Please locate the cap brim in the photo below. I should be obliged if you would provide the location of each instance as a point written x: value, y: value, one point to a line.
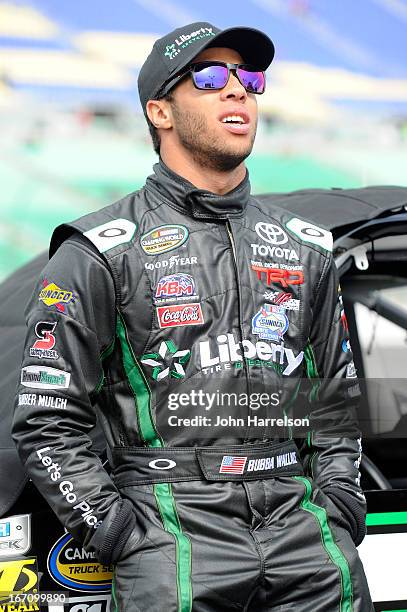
x: 254, y: 46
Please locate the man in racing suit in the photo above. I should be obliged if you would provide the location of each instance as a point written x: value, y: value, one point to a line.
x: 184, y: 287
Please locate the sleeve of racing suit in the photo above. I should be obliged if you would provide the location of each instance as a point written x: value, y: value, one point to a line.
x: 70, y: 326
x: 333, y: 449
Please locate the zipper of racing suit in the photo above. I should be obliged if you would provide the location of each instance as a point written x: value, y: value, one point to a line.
x: 239, y: 305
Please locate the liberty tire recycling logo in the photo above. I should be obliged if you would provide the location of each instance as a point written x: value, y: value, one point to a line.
x: 169, y: 361
x: 273, y: 234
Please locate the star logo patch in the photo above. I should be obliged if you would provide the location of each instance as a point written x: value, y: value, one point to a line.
x: 168, y: 361
x: 170, y: 51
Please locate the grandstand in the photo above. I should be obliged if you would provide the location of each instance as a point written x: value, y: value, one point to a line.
x: 73, y: 138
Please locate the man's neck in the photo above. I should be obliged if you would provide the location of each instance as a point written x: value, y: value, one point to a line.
x: 204, y: 178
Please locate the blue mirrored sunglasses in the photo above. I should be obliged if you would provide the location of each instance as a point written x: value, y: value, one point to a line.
x: 212, y: 75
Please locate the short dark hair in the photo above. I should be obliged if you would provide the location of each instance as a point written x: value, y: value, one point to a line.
x: 155, y: 137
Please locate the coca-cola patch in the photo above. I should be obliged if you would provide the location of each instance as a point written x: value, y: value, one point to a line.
x: 179, y: 315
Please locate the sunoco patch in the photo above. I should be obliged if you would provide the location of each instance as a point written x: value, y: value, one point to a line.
x: 53, y: 295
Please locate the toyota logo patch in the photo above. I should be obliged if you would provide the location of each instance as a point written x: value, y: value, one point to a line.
x: 273, y: 234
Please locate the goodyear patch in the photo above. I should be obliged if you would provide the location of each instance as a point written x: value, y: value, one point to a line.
x: 52, y: 295
x: 164, y: 238
x: 72, y: 566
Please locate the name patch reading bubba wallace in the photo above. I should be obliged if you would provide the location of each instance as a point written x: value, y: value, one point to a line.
x: 236, y: 465
x: 179, y: 315
x: 270, y: 463
x: 164, y: 238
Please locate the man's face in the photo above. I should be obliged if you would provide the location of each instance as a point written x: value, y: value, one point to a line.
x: 199, y: 117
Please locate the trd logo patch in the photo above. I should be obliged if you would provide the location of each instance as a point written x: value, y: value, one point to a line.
x: 283, y: 277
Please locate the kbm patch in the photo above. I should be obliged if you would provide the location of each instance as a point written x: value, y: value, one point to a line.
x: 175, y: 286
x: 72, y: 566
x: 164, y: 238
x: 19, y: 576
x: 52, y: 295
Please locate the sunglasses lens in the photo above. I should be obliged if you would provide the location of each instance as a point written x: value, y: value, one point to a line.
x: 253, y: 81
x: 210, y: 77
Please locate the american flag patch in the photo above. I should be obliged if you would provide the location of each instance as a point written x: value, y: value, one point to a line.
x: 232, y: 465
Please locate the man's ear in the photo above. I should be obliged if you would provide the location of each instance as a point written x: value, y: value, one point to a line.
x: 159, y: 113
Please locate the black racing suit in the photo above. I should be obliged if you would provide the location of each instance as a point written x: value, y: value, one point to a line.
x: 170, y: 292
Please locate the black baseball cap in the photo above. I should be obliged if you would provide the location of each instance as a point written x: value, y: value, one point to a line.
x: 174, y: 51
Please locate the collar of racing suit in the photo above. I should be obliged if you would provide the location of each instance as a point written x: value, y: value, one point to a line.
x: 200, y: 204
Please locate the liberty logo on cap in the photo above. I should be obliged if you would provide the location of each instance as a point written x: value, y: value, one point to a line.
x: 186, y: 39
